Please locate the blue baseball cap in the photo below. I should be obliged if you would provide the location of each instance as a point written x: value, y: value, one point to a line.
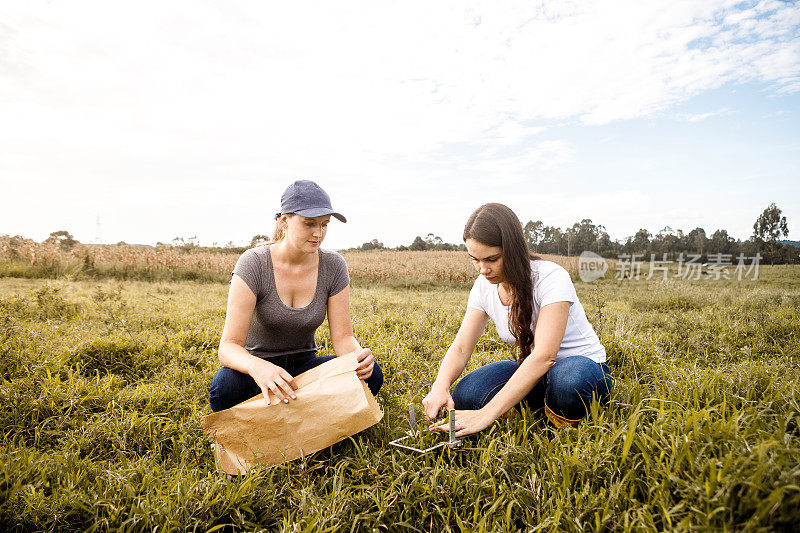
x: 307, y: 199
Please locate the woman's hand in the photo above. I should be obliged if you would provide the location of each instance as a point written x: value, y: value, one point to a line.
x: 467, y: 422
x: 366, y: 362
x: 271, y: 377
x: 437, y: 398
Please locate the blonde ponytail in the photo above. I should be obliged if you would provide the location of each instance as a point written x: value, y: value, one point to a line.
x: 278, y: 235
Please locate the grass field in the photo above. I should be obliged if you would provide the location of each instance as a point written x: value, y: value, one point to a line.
x: 25, y: 258
x: 103, y: 382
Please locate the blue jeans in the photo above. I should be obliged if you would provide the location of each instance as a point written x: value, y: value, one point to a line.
x: 566, y: 389
x: 231, y: 387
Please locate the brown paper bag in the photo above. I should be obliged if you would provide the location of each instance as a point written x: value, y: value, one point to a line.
x: 332, y: 404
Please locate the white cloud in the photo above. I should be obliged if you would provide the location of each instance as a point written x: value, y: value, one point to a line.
x: 249, y: 95
x: 385, y: 76
x: 697, y: 117
x: 542, y: 156
x: 511, y: 133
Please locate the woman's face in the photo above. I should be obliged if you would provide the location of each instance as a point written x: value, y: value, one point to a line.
x: 306, y: 234
x: 488, y: 260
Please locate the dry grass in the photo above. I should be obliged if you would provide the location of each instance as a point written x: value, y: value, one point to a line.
x: 121, y: 261
x: 30, y: 259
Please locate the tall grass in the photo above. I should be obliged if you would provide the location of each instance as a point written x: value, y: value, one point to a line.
x: 29, y: 259
x: 103, y: 383
x: 26, y: 258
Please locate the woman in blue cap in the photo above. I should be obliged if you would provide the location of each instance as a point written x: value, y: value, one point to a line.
x: 280, y: 294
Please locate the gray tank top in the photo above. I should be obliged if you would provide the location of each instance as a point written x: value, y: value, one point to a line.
x: 277, y: 329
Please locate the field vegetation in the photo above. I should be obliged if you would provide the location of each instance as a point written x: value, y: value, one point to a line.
x: 51, y: 259
x: 104, y: 378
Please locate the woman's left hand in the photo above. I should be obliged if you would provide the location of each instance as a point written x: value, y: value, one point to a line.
x: 467, y: 423
x: 366, y: 362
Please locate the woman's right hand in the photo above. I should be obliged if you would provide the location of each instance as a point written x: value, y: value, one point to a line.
x: 271, y: 377
x: 437, y: 398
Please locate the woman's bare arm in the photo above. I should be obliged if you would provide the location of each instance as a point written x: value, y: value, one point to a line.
x: 454, y: 361
x: 342, y: 337
x: 232, y: 354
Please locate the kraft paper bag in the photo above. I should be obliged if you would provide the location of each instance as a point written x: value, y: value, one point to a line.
x: 332, y: 404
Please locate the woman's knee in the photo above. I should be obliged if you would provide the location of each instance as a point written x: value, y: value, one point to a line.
x: 573, y: 383
x: 230, y: 387
x: 478, y: 387
x: 375, y: 381
x: 463, y: 396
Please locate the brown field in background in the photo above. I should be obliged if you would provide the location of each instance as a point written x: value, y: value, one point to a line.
x: 28, y: 258
x: 435, y: 266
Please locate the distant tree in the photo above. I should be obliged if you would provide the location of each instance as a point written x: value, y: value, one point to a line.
x: 696, y: 241
x: 534, y: 233
x: 569, y: 235
x: 790, y: 254
x: 584, y: 235
x: 769, y: 227
x: 666, y: 241
x: 552, y: 240
x: 609, y: 247
x: 258, y: 239
x: 603, y: 244
x: 187, y: 244
x: 63, y: 238
x: 374, y: 244
x: 641, y: 241
x: 721, y: 243
x: 418, y: 245
x: 432, y: 241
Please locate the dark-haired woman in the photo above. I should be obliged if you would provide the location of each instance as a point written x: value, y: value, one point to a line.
x: 561, y: 363
x: 280, y: 294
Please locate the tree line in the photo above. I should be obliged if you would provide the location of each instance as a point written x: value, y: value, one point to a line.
x: 768, y: 229
x: 431, y: 242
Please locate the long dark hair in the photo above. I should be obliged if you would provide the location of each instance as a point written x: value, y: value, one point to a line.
x: 497, y: 225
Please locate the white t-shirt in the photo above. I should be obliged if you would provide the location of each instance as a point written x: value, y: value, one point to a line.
x: 551, y: 283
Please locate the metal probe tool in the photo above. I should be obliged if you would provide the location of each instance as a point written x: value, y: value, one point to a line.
x: 452, y: 443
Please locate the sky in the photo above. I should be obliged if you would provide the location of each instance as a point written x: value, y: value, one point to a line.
x: 181, y: 119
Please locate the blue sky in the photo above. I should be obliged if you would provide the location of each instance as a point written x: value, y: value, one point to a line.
x: 191, y: 118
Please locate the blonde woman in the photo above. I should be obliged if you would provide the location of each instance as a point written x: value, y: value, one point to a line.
x: 279, y: 295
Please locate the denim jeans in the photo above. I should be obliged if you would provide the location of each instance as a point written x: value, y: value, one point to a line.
x: 566, y: 389
x: 230, y: 387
